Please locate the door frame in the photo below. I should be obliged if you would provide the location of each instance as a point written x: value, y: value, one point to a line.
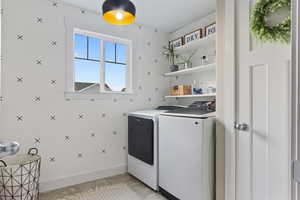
x: 295, y: 123
x: 229, y: 98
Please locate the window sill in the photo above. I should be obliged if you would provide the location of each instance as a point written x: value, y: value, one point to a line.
x: 100, y: 95
x: 117, y: 93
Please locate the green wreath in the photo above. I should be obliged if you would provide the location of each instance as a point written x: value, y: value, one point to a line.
x: 280, y: 32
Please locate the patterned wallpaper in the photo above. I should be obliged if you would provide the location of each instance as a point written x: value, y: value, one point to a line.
x: 73, y: 136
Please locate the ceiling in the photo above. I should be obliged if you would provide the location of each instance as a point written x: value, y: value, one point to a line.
x: 168, y: 15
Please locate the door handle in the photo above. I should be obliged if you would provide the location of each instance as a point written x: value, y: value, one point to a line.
x: 240, y: 127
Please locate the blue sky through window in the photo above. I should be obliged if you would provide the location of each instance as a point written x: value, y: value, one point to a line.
x: 80, y: 46
x: 121, y: 53
x: 113, y: 72
x: 87, y: 69
x: 94, y: 48
x: 109, y: 51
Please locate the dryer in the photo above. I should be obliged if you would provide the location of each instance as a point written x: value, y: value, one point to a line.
x: 143, y: 145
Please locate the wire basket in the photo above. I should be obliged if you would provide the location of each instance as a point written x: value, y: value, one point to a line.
x: 19, y: 176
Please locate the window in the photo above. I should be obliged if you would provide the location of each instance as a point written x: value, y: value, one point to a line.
x: 115, y: 66
x: 101, y: 63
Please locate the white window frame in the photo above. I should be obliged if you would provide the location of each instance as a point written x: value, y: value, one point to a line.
x: 103, y: 38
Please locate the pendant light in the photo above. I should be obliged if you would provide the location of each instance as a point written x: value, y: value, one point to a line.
x: 118, y: 12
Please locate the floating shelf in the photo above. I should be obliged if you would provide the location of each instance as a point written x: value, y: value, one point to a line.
x: 191, y: 46
x: 192, y: 96
x: 192, y: 70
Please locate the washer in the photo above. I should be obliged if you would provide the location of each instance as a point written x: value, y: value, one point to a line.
x: 186, y: 154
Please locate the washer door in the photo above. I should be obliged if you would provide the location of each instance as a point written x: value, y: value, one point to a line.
x: 141, y: 138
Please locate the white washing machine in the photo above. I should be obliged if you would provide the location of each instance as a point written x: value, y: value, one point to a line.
x: 187, y: 155
x: 143, y: 145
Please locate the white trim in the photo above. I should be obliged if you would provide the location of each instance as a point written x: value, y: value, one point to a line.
x: 106, y: 38
x: 99, y: 96
x: 220, y: 130
x: 295, y: 93
x: 69, y: 24
x: 116, y: 92
x: 192, y: 95
x: 81, y: 178
x: 230, y: 99
x: 102, y: 68
x: 129, y: 77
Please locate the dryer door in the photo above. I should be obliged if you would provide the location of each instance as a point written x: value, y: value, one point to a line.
x: 140, y: 138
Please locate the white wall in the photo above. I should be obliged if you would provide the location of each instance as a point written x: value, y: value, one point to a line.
x: 101, y: 135
x: 209, y: 19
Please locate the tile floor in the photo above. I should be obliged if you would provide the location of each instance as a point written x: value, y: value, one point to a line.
x: 122, y: 187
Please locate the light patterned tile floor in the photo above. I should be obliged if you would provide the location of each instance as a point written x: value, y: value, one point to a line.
x: 122, y: 187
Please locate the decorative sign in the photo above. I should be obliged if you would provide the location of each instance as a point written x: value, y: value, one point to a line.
x: 193, y: 36
x: 176, y: 43
x: 196, y: 35
x: 210, y: 29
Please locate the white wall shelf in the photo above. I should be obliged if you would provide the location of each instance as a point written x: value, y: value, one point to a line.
x: 192, y: 96
x: 203, y: 42
x: 192, y: 70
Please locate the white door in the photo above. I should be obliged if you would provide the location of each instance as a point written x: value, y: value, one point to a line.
x: 263, y: 103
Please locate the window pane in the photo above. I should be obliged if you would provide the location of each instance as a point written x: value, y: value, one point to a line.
x: 121, y: 53
x: 110, y: 51
x: 87, y: 71
x: 94, y: 48
x: 115, y: 77
x: 80, y: 50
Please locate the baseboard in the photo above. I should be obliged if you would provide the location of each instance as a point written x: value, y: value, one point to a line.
x: 81, y: 178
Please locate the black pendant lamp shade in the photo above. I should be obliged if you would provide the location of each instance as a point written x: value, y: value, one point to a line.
x: 118, y: 12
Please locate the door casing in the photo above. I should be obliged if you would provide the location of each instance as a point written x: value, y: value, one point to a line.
x: 229, y: 98
x: 295, y: 124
